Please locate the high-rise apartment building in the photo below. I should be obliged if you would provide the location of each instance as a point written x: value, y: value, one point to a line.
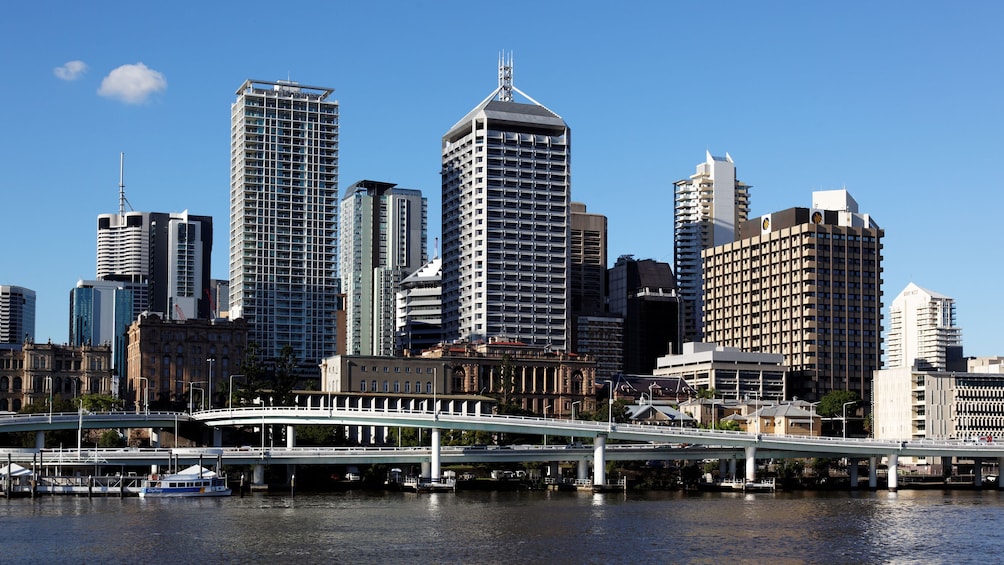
x: 165, y: 256
x: 644, y: 294
x: 420, y: 309
x: 17, y: 314
x: 382, y: 240
x: 708, y: 209
x: 922, y: 332
x: 284, y: 218
x: 806, y: 283
x: 506, y: 194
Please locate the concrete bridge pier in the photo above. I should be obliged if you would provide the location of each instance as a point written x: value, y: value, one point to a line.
x: 751, y: 463
x: 723, y: 468
x: 290, y: 437
x: 582, y: 472
x: 435, y: 470
x: 600, y: 460
x: 552, y: 469
x: 852, y: 470
x: 893, y: 476
x: 732, y: 467
x: 258, y: 475
x: 977, y: 472
x: 873, y: 473
x: 40, y: 440
x: 217, y: 437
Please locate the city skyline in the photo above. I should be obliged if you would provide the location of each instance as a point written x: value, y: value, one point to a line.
x: 803, y: 97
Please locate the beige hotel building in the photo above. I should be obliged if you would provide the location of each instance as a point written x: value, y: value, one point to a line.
x: 806, y: 283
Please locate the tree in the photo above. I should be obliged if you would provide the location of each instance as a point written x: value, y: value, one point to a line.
x: 254, y: 381
x: 505, y: 382
x: 832, y: 405
x: 284, y: 377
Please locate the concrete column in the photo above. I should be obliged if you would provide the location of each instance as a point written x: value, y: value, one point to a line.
x: 600, y: 460
x: 750, y: 463
x: 258, y: 474
x: 893, y: 464
x: 217, y: 437
x: 426, y: 469
x: 435, y: 454
x: 732, y: 468
x: 977, y: 472
x: 39, y: 440
x: 553, y: 469
x: 873, y: 473
x: 582, y: 472
x: 723, y: 468
x: 852, y: 469
x: 290, y: 437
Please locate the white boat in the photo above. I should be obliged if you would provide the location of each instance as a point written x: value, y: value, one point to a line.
x: 191, y: 482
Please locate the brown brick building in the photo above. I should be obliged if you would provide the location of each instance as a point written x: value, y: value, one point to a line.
x: 29, y: 372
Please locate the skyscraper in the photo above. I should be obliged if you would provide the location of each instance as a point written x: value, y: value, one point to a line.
x: 383, y: 234
x: 164, y: 257
x: 644, y: 294
x: 708, y: 209
x: 100, y: 314
x: 806, y: 283
x: 284, y: 217
x: 506, y: 195
x: 17, y: 314
x: 420, y: 309
x: 922, y: 331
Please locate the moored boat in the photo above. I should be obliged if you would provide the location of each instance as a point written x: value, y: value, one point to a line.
x: 194, y: 481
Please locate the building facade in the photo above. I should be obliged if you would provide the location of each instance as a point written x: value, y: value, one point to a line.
x: 731, y: 373
x: 17, y: 314
x: 284, y: 218
x: 708, y: 209
x: 588, y: 273
x: 173, y: 363
x: 38, y: 372
x: 506, y: 197
x: 383, y: 234
x: 165, y: 257
x: 602, y: 338
x: 644, y: 294
x: 922, y: 332
x: 420, y: 309
x: 806, y: 283
x: 100, y: 314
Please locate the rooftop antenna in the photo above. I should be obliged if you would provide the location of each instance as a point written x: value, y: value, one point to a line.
x: 122, y: 197
x: 505, y: 78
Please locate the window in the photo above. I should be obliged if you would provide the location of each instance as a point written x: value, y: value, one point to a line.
x: 428, y: 387
x: 386, y: 386
x: 362, y: 385
x: 374, y: 385
x: 407, y: 386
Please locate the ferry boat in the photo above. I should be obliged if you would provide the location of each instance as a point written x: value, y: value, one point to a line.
x: 191, y: 482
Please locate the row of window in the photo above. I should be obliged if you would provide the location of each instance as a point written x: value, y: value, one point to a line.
x: 374, y: 386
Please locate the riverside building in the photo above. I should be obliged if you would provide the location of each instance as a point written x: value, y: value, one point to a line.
x: 806, y: 283
x: 284, y: 218
x: 708, y: 209
x: 383, y: 240
x: 506, y: 198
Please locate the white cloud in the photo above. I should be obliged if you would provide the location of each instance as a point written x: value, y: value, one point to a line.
x: 72, y: 70
x: 132, y: 83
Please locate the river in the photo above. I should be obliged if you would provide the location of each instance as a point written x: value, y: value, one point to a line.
x: 911, y: 526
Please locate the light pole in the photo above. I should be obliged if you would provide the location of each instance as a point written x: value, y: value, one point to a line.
x: 435, y: 405
x: 546, y: 406
x: 650, y: 386
x: 210, y: 360
x: 47, y: 382
x: 844, y: 419
x: 812, y: 415
x: 146, y: 396
x: 610, y: 405
x: 230, y: 400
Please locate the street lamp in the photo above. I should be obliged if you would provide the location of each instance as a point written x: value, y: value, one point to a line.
x: 210, y: 360
x: 49, y: 381
x: 610, y: 405
x: 230, y: 391
x: 146, y: 397
x: 812, y: 415
x: 844, y: 419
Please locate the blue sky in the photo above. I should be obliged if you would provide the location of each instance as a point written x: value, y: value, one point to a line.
x: 899, y: 102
